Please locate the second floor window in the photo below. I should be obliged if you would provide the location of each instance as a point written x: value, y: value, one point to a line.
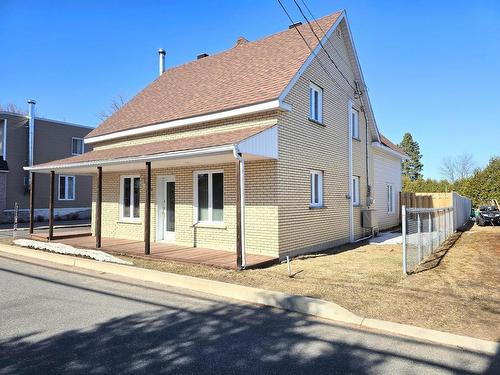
x: 77, y: 146
x: 355, y: 123
x: 66, y: 188
x: 315, y: 103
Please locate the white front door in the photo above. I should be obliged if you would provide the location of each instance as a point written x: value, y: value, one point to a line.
x: 166, y: 208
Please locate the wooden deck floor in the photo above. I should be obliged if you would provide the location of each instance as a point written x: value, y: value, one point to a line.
x: 166, y: 252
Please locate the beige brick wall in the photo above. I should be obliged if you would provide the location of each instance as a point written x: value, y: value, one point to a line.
x: 261, y: 209
x: 305, y: 146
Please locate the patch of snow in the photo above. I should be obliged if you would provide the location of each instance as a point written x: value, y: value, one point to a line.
x: 387, y: 238
x: 61, y: 248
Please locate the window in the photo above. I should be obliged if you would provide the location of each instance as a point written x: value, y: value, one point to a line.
x: 355, y: 190
x: 390, y: 199
x: 316, y: 189
x: 315, y: 103
x: 66, y: 188
x: 130, y: 196
x: 355, y: 123
x: 209, y: 197
x: 3, y: 140
x: 76, y: 146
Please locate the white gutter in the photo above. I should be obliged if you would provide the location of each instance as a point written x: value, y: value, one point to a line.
x: 136, y: 159
x: 351, y: 210
x: 251, y: 109
x: 388, y: 150
x: 240, y: 159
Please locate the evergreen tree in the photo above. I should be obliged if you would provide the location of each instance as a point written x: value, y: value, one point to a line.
x: 412, y: 168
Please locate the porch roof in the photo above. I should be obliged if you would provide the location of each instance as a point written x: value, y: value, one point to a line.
x: 257, y: 142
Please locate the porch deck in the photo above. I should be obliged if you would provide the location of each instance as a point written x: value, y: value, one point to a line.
x: 161, y: 251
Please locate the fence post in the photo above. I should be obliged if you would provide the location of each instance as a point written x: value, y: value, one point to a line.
x: 431, y: 241
x: 403, y: 229
x: 419, y: 238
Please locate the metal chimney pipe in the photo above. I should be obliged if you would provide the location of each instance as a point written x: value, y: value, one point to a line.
x: 162, y: 53
x: 31, y: 131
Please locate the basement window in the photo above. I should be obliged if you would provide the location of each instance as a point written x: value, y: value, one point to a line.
x: 66, y: 188
x: 315, y: 103
x: 316, y: 189
x: 209, y: 197
x: 130, y: 192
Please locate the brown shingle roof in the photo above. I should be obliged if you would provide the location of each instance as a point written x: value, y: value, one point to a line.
x: 249, y: 73
x: 386, y: 142
x: 161, y: 147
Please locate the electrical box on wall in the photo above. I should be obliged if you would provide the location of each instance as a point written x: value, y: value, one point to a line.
x: 369, y: 218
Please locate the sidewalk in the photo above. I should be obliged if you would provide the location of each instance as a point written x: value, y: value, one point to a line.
x: 305, y: 305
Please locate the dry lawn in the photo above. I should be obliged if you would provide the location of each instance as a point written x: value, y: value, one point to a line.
x: 456, y: 291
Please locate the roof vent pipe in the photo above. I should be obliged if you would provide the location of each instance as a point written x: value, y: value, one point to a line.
x: 161, y: 53
x: 31, y: 131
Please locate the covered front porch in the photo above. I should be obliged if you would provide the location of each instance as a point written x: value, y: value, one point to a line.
x: 159, y: 200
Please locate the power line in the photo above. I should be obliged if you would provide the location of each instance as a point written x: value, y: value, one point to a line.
x: 312, y: 52
x: 322, y: 46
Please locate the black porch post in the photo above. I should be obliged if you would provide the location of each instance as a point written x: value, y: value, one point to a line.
x: 51, y: 205
x: 32, y: 202
x: 147, y: 211
x: 98, y: 209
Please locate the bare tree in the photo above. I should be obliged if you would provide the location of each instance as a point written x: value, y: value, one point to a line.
x: 458, y: 167
x: 116, y: 103
x: 11, y: 107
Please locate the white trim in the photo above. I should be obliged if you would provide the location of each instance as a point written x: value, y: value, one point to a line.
x: 308, y: 61
x: 131, y: 218
x: 351, y: 210
x: 166, y: 155
x: 83, y: 145
x: 255, y: 108
x: 210, y: 220
x: 390, y: 151
x: 4, y: 145
x: 66, y: 185
x: 313, y: 197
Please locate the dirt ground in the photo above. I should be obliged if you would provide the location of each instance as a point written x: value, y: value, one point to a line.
x: 456, y: 291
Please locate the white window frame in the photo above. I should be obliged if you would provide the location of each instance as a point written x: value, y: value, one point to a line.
x: 317, y: 117
x: 4, y: 141
x: 210, y: 197
x: 355, y: 123
x: 355, y: 190
x: 130, y: 218
x: 66, y: 184
x: 83, y: 145
x: 312, y: 196
x: 391, y: 209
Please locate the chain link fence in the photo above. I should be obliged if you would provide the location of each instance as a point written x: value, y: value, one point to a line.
x: 424, y: 231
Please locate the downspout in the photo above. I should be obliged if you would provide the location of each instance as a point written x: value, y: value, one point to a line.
x: 349, y: 195
x: 241, y: 160
x: 31, y: 131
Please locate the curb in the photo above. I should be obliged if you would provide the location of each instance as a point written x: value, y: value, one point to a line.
x: 300, y: 304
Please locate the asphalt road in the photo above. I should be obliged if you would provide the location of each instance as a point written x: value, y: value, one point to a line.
x: 53, y: 320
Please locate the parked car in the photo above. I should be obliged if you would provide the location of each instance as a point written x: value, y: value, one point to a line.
x: 488, y: 215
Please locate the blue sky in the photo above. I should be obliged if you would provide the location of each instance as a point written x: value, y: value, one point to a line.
x: 432, y: 67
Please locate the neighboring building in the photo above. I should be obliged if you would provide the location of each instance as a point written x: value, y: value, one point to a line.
x: 51, y: 140
x: 387, y: 159
x: 300, y: 130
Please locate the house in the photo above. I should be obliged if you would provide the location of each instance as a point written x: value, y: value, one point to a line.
x: 387, y: 170
x: 265, y: 148
x: 26, y: 140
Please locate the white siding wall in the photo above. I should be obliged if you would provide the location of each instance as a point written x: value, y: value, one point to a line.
x: 387, y: 170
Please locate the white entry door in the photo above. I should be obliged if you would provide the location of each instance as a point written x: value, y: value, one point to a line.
x: 166, y: 209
